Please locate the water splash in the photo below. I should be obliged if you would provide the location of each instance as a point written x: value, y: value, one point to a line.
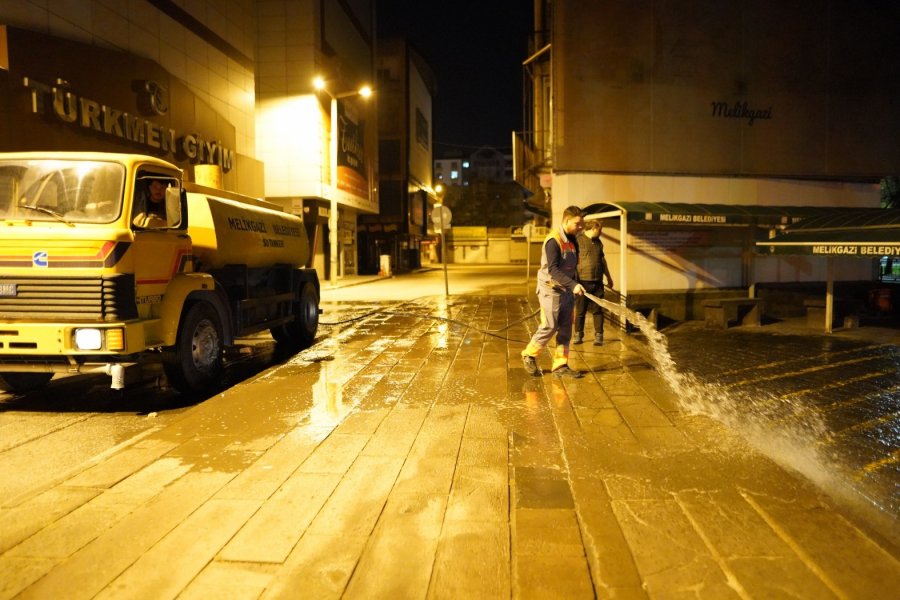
x: 785, y: 430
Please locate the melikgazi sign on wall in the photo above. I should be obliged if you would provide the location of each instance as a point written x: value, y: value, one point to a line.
x: 59, y: 101
x: 740, y: 110
x: 855, y: 250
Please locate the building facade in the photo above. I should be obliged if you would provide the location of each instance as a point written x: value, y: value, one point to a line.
x: 696, y: 103
x: 406, y: 88
x: 319, y: 146
x: 485, y: 164
x: 227, y: 85
x: 132, y: 78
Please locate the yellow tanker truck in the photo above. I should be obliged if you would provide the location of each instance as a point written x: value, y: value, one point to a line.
x: 107, y: 260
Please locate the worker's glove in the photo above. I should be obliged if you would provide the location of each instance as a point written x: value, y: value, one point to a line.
x: 578, y: 290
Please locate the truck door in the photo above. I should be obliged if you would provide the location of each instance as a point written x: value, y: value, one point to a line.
x: 161, y: 245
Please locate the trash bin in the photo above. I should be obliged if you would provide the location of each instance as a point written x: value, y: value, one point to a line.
x: 385, y: 265
x: 880, y: 300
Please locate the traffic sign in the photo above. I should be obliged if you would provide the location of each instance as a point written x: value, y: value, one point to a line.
x: 441, y: 216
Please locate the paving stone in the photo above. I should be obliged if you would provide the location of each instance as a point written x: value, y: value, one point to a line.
x: 552, y: 577
x: 610, y: 556
x: 17, y: 573
x: 64, y: 536
x: 105, y: 558
x: 542, y: 488
x: 319, y: 567
x: 484, y: 422
x: 396, y: 433
x: 335, y: 454
x: 479, y: 493
x: 354, y: 507
x: 547, y: 532
x: 274, y: 529
x: 398, y: 559
x: 747, y: 549
x: 236, y: 581
x: 195, y: 541
x: 847, y: 560
x: 671, y: 557
x: 472, y: 560
x: 118, y: 467
x: 271, y: 469
x: 23, y: 521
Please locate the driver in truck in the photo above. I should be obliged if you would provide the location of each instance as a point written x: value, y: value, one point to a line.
x: 151, y: 204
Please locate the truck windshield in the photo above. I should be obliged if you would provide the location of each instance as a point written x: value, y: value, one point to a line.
x: 71, y: 191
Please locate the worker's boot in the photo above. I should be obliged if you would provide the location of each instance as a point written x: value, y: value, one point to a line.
x: 566, y: 371
x: 531, y: 366
x: 578, y: 338
x: 598, y: 339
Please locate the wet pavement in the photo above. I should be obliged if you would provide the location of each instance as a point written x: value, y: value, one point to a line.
x: 407, y: 454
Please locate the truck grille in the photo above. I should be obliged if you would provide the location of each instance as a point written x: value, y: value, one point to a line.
x: 68, y: 298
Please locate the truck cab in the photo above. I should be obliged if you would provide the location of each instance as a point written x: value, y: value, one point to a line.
x: 108, y: 260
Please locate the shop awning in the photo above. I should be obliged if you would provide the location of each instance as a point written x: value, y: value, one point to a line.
x: 861, y: 232
x: 682, y: 213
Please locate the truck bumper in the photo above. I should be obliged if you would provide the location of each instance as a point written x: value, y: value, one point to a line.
x: 57, y: 347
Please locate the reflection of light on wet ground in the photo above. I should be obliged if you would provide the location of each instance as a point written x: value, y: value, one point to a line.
x: 328, y: 408
x: 443, y: 336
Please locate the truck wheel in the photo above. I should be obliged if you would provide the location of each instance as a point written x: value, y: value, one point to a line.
x: 196, y: 363
x: 301, y: 332
x: 23, y: 382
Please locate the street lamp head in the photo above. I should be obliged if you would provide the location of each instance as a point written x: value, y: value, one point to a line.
x: 321, y: 85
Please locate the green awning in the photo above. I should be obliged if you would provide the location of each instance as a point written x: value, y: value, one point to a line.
x: 683, y: 213
x: 861, y: 232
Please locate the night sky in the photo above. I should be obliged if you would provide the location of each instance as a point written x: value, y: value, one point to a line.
x: 476, y: 49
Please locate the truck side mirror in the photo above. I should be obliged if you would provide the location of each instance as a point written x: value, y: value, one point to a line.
x: 175, y: 208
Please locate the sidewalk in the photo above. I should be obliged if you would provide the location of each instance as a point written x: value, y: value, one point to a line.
x: 408, y: 457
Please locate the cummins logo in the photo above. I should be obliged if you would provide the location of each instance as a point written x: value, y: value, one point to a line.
x: 40, y: 258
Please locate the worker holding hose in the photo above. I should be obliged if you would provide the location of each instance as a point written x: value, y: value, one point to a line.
x: 557, y: 286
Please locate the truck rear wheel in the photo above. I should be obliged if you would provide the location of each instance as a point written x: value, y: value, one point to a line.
x: 24, y: 382
x: 301, y: 332
x: 196, y: 363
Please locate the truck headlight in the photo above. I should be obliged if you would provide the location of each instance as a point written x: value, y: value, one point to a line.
x: 88, y: 339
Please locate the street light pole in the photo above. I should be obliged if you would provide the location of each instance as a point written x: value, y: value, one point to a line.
x: 333, y: 210
x: 333, y: 258
x: 441, y: 211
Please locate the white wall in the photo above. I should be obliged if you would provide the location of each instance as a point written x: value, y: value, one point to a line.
x: 719, y: 266
x: 291, y: 133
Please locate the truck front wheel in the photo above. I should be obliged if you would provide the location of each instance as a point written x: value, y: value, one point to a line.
x: 196, y: 363
x: 301, y: 332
